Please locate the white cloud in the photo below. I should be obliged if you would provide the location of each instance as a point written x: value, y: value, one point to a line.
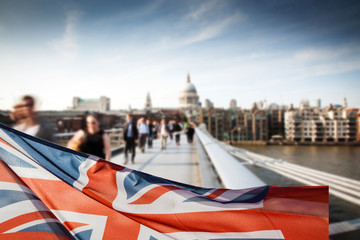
x: 205, y: 22
x: 67, y: 46
x: 321, y: 54
x: 211, y: 30
x: 199, y: 32
x: 325, y: 61
x: 198, y: 13
x: 335, y: 67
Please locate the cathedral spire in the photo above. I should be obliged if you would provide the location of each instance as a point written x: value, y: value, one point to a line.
x: 345, y: 103
x: 188, y: 78
x: 148, y: 104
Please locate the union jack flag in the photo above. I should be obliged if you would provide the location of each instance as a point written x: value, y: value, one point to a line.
x: 51, y: 192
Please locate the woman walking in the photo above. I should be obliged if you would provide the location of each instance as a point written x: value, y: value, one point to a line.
x: 92, y: 140
x: 163, y: 132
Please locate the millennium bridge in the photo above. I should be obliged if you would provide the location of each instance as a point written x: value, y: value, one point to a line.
x: 208, y: 162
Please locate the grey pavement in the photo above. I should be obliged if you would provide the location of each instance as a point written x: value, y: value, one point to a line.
x: 178, y: 163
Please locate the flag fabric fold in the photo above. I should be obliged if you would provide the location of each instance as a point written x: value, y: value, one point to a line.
x: 66, y: 194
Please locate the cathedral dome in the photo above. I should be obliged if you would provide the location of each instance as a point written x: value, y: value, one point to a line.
x: 188, y: 97
x: 189, y: 87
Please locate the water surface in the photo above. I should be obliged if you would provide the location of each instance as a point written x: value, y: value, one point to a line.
x: 340, y: 160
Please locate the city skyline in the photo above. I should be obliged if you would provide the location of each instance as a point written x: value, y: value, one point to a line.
x: 279, y: 51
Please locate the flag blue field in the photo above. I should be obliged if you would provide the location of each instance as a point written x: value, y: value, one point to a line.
x: 48, y: 191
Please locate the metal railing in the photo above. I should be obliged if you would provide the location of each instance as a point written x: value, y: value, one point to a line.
x: 115, y: 135
x: 342, y: 187
x: 232, y: 173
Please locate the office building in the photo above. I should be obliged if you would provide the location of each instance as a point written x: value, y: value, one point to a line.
x: 321, y: 125
x: 101, y: 104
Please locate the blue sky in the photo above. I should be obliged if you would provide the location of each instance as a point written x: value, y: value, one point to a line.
x: 278, y: 51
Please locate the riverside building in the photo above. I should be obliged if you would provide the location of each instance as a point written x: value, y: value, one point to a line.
x: 276, y: 122
x: 321, y: 125
x: 236, y: 125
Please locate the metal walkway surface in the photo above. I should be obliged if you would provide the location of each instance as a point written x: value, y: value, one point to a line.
x: 178, y: 163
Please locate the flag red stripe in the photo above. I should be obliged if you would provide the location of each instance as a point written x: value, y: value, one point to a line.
x: 308, y: 193
x: 25, y: 218
x: 102, y: 182
x: 8, y: 175
x: 301, y: 200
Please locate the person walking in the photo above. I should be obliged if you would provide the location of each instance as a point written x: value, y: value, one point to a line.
x: 130, y: 137
x: 177, y: 131
x: 92, y: 140
x: 163, y: 132
x: 143, y: 134
x: 171, y: 129
x: 28, y: 121
x: 151, y: 133
x: 156, y: 128
x: 190, y: 131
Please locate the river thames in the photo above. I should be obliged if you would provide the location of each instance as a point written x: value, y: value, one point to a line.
x: 340, y: 160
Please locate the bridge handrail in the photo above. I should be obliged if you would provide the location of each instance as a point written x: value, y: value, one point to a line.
x: 231, y: 172
x: 69, y: 134
x: 115, y: 134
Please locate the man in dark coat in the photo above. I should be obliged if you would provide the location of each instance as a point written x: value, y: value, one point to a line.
x: 130, y: 137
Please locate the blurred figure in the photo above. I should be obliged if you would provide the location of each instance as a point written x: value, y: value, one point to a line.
x: 143, y: 134
x: 151, y: 133
x: 171, y: 129
x: 130, y: 137
x: 156, y: 127
x: 163, y: 132
x: 92, y: 140
x: 27, y: 120
x: 177, y: 131
x: 190, y: 131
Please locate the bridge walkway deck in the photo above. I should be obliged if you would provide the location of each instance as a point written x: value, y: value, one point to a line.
x: 178, y: 163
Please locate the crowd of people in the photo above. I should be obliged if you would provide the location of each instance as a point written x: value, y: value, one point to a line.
x: 144, y: 131
x: 93, y: 139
